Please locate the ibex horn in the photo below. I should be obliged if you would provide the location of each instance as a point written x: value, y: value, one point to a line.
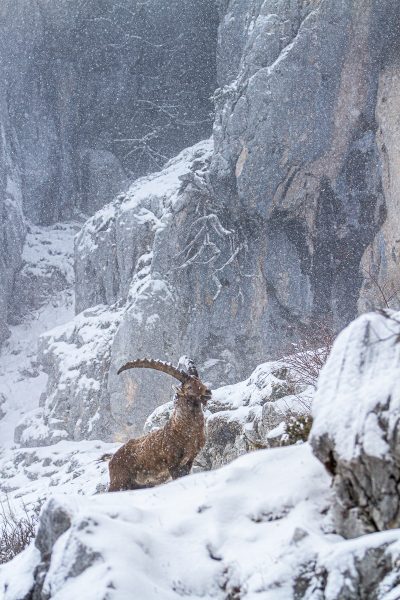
x: 158, y: 365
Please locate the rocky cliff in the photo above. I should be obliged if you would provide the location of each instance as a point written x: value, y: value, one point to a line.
x: 12, y: 227
x: 300, y: 154
x: 97, y: 91
x: 290, y: 220
x: 93, y: 95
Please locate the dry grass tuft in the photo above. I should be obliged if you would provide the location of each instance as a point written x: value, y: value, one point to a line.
x: 16, y: 530
x: 310, y: 355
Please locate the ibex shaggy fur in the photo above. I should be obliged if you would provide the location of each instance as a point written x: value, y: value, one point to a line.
x: 168, y: 452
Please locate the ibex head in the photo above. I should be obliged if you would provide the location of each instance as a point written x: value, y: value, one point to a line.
x: 192, y: 388
x: 195, y: 391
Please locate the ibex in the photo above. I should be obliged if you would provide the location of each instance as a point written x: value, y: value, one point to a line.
x: 168, y: 452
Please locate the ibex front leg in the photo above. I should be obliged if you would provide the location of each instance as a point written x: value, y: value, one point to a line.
x: 181, y: 470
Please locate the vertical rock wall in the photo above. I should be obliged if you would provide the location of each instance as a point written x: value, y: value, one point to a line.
x: 101, y: 91
x: 12, y: 228
x: 298, y: 150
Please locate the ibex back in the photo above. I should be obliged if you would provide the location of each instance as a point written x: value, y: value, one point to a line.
x: 168, y: 452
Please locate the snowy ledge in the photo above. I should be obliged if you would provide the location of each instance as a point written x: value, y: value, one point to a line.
x: 257, y: 528
x: 249, y: 526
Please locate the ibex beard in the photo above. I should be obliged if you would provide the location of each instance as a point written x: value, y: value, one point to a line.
x: 168, y: 452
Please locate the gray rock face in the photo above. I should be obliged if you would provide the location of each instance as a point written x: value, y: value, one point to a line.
x: 3, y: 400
x: 12, y: 227
x: 380, y: 260
x: 356, y: 424
x: 12, y: 232
x: 102, y: 178
x: 54, y: 521
x: 298, y: 153
x: 96, y: 90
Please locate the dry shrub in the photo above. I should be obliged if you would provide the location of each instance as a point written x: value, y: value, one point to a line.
x: 310, y: 355
x: 16, y: 529
x: 387, y: 294
x: 304, y: 364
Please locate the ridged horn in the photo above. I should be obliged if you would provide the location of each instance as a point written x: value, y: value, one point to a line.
x: 158, y: 365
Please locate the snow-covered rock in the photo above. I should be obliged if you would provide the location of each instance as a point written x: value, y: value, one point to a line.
x: 28, y: 476
x: 242, y: 531
x: 22, y: 380
x: 75, y: 404
x: 117, y: 243
x: 356, y: 424
x: 257, y: 528
x: 42, y: 299
x: 46, y: 267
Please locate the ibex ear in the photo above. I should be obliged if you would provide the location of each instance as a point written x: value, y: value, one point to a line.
x: 187, y: 364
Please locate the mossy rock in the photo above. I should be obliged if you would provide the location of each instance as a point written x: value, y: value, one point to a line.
x: 298, y: 429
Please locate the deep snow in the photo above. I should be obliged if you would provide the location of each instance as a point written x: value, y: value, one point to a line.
x: 249, y: 526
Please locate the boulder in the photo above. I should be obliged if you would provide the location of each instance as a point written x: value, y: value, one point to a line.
x: 356, y: 424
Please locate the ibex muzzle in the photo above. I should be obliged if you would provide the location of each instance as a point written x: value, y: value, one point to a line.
x: 168, y: 452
